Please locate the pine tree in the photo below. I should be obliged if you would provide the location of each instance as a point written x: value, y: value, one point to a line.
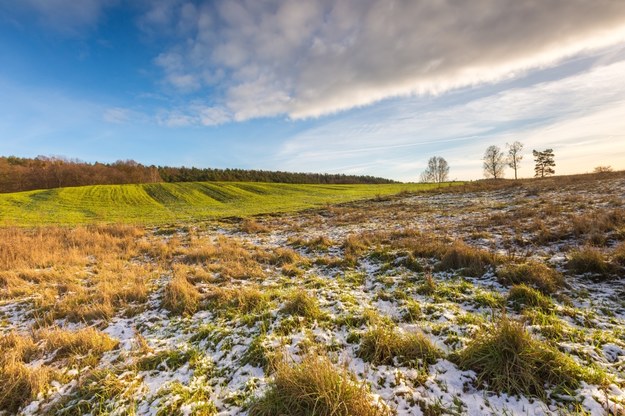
x: 544, y: 163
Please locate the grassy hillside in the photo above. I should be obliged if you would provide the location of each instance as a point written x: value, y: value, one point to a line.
x: 166, y: 202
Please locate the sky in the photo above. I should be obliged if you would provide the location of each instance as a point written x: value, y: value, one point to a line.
x: 338, y: 86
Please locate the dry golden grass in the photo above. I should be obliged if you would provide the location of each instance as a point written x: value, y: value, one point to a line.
x: 251, y: 226
x: 82, y: 274
x: 472, y: 261
x: 246, y: 299
x: 180, y: 297
x: 21, y: 380
x: 228, y: 257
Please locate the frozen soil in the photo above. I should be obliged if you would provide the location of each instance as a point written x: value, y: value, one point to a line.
x: 362, y: 263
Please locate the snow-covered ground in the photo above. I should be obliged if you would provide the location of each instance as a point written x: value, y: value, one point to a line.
x: 209, y: 358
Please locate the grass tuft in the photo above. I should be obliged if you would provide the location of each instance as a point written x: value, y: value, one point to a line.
x: 588, y: 260
x: 316, y: 387
x: 532, y: 273
x: 472, y: 261
x: 508, y: 360
x: 528, y: 296
x: 180, y: 297
x: 301, y: 303
x: 385, y: 344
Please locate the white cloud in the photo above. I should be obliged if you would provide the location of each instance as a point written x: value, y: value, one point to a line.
x: 581, y: 117
x: 310, y: 58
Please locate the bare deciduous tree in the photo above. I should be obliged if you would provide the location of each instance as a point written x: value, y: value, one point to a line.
x: 514, y: 156
x: 494, y: 162
x: 437, y: 170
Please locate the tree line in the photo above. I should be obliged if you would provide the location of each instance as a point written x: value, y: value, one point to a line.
x: 45, y: 172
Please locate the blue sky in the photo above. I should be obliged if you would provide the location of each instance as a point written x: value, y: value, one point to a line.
x: 355, y: 86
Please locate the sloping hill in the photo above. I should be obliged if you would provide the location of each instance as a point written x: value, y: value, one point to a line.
x: 159, y: 203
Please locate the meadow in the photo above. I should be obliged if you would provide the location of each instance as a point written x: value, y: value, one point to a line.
x: 160, y: 203
x: 499, y: 298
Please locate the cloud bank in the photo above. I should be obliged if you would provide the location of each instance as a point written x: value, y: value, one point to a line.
x: 311, y: 58
x: 579, y: 116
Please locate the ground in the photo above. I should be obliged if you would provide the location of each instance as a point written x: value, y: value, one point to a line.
x: 403, y: 295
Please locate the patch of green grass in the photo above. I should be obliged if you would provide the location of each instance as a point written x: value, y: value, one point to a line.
x: 508, y: 359
x: 167, y: 359
x: 162, y: 203
x: 190, y: 398
x: 100, y: 393
x: 316, y: 387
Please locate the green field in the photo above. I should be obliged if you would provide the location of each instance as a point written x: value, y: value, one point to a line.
x: 174, y: 202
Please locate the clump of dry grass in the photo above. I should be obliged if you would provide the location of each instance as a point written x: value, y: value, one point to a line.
x: 598, y: 222
x: 251, y: 226
x: 470, y: 260
x: 386, y: 344
x: 180, y: 297
x: 284, y: 256
x: 532, y: 273
x: 227, y: 256
x: 246, y: 299
x: 319, y: 243
x: 508, y: 359
x: 316, y: 387
x: 618, y: 254
x: 588, y: 260
x: 21, y: 384
x: 66, y: 344
x: 301, y: 303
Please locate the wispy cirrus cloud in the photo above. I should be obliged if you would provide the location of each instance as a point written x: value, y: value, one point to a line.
x: 65, y: 16
x: 307, y: 59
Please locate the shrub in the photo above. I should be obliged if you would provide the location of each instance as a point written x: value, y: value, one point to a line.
x: 385, y: 344
x: 588, y: 260
x: 316, y: 387
x: 509, y: 360
x: 180, y: 297
x: 532, y: 273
